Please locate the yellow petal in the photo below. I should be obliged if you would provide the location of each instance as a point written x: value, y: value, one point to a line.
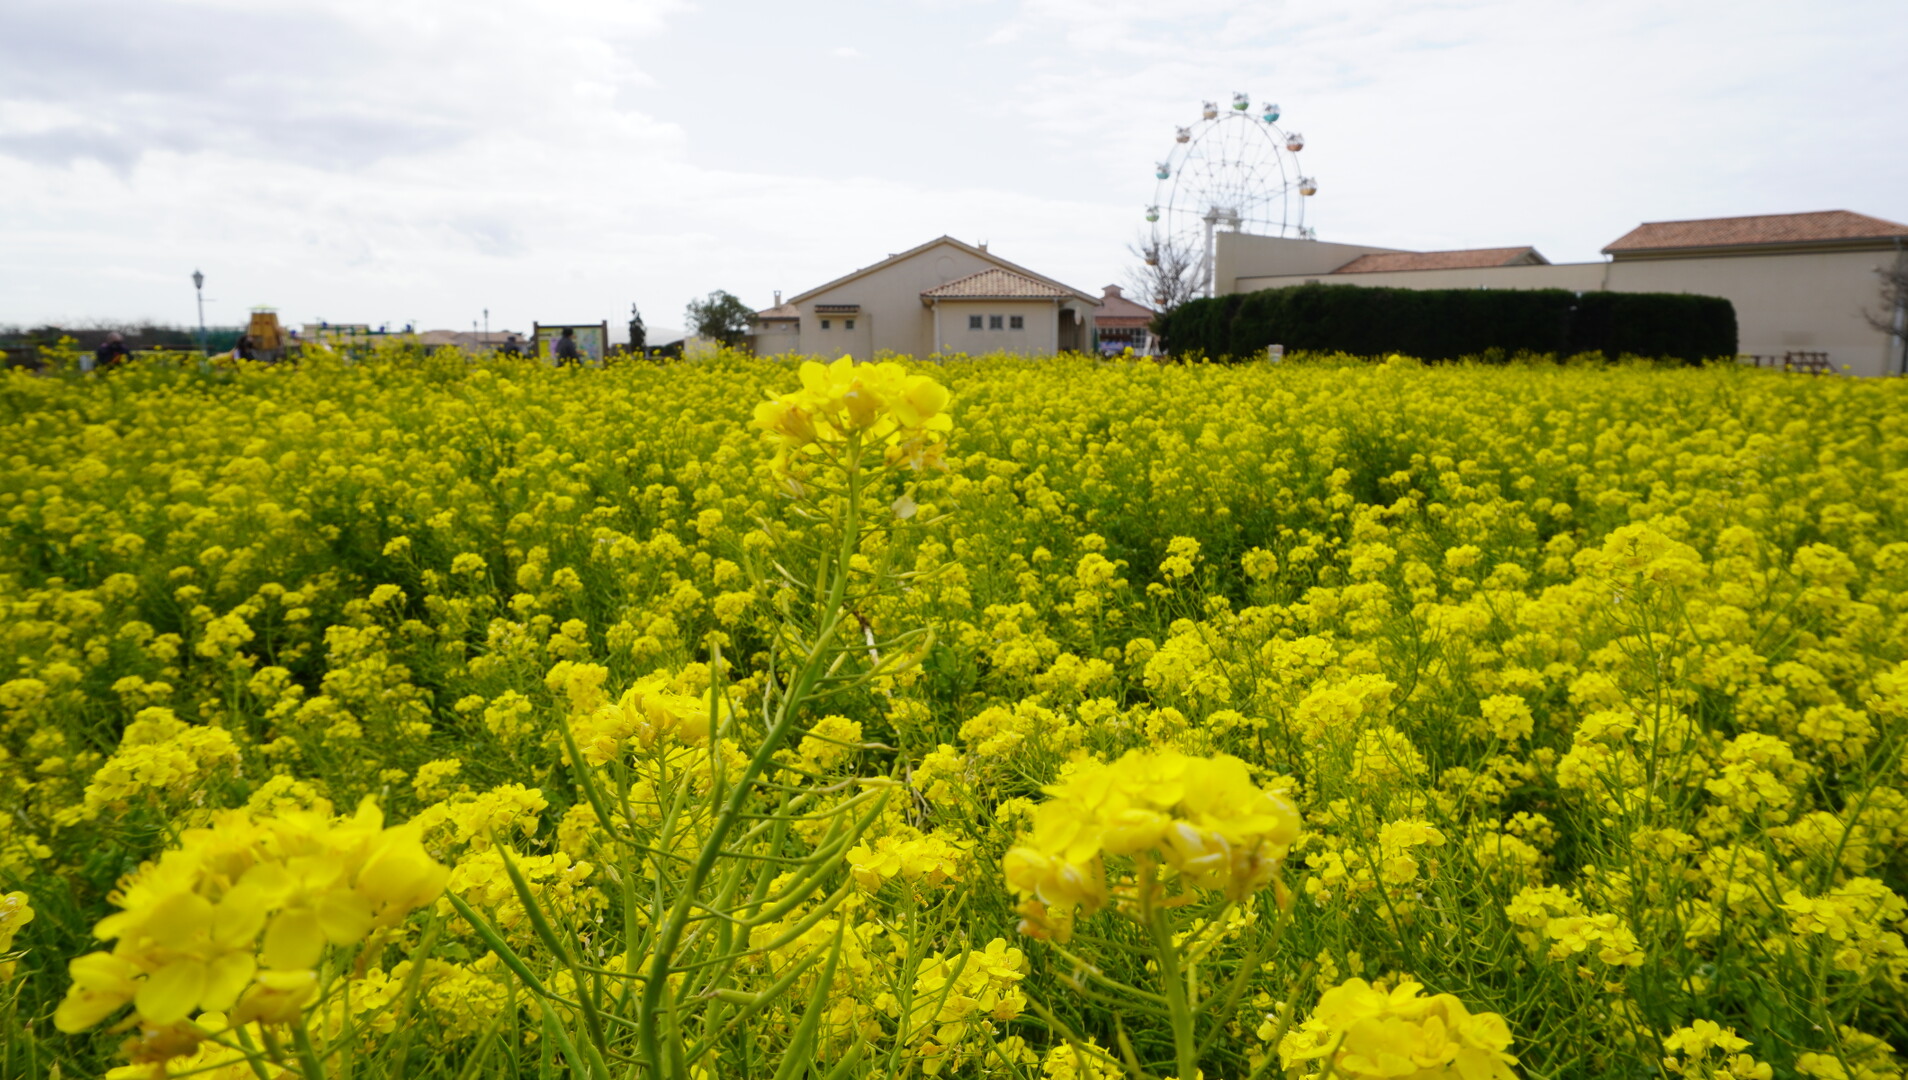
x: 395, y: 872
x: 240, y: 916
x: 294, y: 940
x: 82, y: 1009
x: 178, y: 918
x: 345, y: 917
x: 171, y: 993
x: 226, y: 978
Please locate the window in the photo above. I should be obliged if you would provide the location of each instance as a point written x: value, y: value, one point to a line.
x: 824, y: 324
x: 848, y: 324
x: 973, y: 322
x: 993, y: 322
x: 1017, y: 323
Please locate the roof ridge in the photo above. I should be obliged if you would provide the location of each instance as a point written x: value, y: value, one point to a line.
x: 1752, y: 217
x: 971, y: 249
x: 1758, y: 230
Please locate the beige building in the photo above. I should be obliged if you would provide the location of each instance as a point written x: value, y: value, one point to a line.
x: 942, y: 297
x: 1799, y: 282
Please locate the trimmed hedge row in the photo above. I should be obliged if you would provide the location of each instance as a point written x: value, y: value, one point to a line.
x: 1445, y: 324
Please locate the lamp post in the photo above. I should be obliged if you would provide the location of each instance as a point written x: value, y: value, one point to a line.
x: 198, y: 286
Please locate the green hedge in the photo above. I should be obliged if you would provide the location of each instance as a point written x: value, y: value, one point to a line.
x: 1445, y: 324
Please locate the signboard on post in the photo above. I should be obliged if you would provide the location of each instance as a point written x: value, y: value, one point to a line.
x: 592, y: 340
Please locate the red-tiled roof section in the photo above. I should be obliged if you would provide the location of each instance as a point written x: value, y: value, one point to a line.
x: 780, y: 311
x: 1815, y: 227
x: 1442, y: 260
x: 995, y: 284
x: 1117, y: 310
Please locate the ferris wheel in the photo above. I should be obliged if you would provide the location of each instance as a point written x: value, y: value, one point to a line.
x: 1235, y: 170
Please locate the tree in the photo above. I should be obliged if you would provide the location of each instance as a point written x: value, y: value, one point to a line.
x: 721, y: 315
x: 638, y: 333
x: 1893, y: 319
x: 1167, y: 275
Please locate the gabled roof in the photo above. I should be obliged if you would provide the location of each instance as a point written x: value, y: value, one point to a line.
x: 937, y: 242
x: 1816, y: 227
x: 779, y: 311
x: 1468, y: 259
x: 995, y: 284
x: 1115, y: 306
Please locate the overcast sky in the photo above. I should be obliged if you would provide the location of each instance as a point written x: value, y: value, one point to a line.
x: 398, y: 160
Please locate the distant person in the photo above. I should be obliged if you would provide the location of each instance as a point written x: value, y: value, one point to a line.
x: 111, y: 353
x: 567, y: 354
x: 244, y: 350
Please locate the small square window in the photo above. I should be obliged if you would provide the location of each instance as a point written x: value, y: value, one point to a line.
x: 848, y: 324
x: 993, y: 322
x: 973, y: 322
x: 824, y: 324
x: 1017, y: 322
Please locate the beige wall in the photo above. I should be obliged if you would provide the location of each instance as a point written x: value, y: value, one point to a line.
x: 1801, y: 302
x: 775, y: 342
x: 1814, y: 302
x: 1037, y: 336
x: 893, y: 319
x: 1242, y: 255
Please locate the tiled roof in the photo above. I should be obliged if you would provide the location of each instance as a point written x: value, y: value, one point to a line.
x: 1443, y: 260
x: 995, y: 284
x: 780, y: 311
x: 1115, y: 305
x: 1815, y: 227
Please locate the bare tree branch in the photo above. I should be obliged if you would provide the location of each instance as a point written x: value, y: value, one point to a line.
x: 1167, y: 274
x: 1894, y: 297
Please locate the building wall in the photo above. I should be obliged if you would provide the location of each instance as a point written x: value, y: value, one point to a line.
x: 1040, y: 319
x: 892, y: 317
x: 1241, y: 255
x: 775, y: 342
x: 1805, y: 301
x: 1811, y: 302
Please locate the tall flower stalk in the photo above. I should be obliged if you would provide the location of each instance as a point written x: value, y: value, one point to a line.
x: 713, y: 840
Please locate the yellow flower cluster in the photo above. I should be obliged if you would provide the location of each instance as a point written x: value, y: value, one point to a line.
x: 959, y: 1003
x: 160, y: 757
x: 1365, y: 1030
x: 1705, y: 1050
x: 648, y: 714
x: 903, y: 414
x: 1201, y: 817
x: 931, y: 859
x: 239, y: 914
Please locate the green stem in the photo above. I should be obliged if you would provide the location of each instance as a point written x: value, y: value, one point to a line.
x: 663, y: 957
x: 307, y: 1056
x: 1185, y: 1046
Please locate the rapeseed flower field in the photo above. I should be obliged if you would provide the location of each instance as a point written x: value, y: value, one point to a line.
x: 434, y: 717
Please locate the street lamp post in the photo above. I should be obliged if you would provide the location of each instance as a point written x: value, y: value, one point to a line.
x: 198, y: 286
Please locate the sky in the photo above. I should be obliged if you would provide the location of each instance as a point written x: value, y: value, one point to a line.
x: 420, y: 161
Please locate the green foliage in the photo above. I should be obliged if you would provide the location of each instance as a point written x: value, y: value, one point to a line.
x: 1447, y: 324
x: 721, y: 316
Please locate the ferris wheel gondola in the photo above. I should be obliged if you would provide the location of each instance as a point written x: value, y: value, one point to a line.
x: 1235, y: 170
